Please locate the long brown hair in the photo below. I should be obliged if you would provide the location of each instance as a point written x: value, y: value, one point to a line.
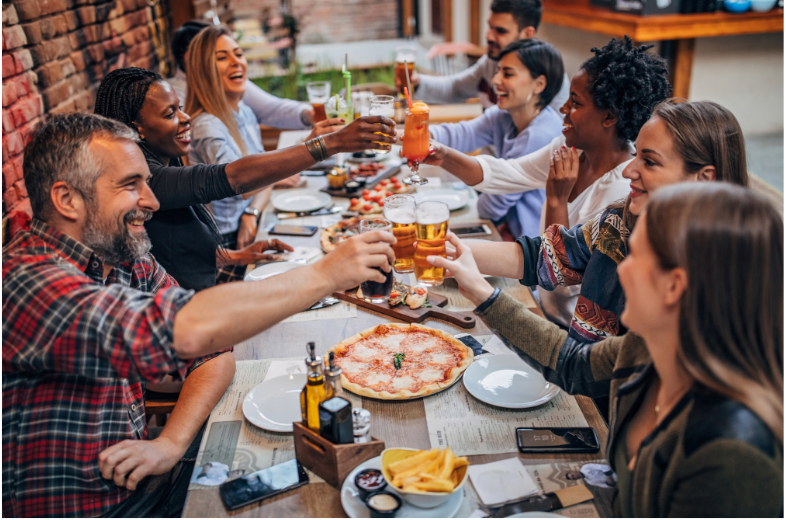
x: 704, y: 134
x: 205, y: 91
x: 729, y: 240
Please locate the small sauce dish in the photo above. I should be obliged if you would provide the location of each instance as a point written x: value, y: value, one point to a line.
x: 383, y: 504
x: 369, y: 481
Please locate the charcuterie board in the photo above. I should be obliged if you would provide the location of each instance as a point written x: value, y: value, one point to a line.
x: 404, y: 313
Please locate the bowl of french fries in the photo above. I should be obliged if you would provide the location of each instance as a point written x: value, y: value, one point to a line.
x: 423, y: 478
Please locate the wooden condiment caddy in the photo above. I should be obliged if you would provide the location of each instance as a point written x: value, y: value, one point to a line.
x: 332, y: 462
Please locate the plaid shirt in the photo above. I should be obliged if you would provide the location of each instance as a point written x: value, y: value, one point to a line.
x: 76, y: 351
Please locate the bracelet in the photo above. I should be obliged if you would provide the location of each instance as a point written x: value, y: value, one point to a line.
x: 322, y: 144
x: 312, y: 145
x: 488, y: 303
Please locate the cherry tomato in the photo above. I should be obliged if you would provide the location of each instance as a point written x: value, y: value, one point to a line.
x: 366, y: 192
x: 384, y: 182
x: 367, y: 197
x: 367, y: 207
x: 394, y: 180
x: 421, y: 291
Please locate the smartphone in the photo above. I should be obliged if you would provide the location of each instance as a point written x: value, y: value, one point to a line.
x: 298, y: 231
x: 557, y: 440
x: 263, y: 484
x: 471, y: 231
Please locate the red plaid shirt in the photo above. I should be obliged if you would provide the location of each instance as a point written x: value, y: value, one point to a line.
x: 76, y: 351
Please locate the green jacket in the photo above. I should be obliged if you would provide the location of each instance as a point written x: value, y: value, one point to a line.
x: 710, y: 457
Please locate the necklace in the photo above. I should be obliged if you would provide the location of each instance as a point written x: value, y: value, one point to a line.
x: 670, y: 403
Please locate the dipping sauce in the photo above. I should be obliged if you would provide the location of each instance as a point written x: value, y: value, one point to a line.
x: 383, y: 504
x: 369, y: 481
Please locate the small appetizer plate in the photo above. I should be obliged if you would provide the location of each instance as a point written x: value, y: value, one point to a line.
x: 275, y: 404
x: 508, y: 382
x: 301, y: 200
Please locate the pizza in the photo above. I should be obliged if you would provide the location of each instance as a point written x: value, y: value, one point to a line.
x: 400, y: 361
x: 333, y: 235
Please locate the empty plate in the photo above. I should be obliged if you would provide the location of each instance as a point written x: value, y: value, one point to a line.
x: 508, y: 382
x: 268, y: 270
x: 455, y: 199
x: 301, y: 200
x: 275, y: 404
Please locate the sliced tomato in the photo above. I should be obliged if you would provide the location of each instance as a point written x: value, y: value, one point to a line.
x: 367, y: 197
x: 367, y: 207
x: 420, y: 291
x: 393, y: 294
x: 384, y: 182
x: 394, y: 180
x: 354, y: 202
x: 366, y: 192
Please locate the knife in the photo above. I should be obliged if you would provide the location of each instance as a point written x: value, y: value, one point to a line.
x: 324, y: 302
x: 324, y: 211
x: 550, y: 501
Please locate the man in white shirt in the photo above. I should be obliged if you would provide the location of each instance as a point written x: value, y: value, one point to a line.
x: 510, y: 20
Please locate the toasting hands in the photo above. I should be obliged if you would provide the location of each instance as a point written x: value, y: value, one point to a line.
x: 354, y: 260
x: 461, y: 265
x: 359, y: 135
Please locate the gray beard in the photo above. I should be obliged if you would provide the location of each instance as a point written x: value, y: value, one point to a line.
x: 114, y: 247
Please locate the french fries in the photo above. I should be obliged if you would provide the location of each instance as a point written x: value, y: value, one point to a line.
x: 430, y: 471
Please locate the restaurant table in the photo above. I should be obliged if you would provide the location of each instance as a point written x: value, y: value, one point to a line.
x: 683, y: 29
x: 398, y: 423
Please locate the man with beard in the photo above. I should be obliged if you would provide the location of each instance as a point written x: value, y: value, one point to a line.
x: 89, y: 318
x: 510, y: 20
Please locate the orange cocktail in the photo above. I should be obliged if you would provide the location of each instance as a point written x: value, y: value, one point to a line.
x: 416, y: 140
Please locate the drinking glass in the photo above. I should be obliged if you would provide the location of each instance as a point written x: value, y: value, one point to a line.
x: 416, y: 140
x: 382, y: 106
x: 408, y: 54
x: 376, y: 292
x: 318, y: 94
x: 400, y: 210
x: 337, y: 106
x: 431, y: 219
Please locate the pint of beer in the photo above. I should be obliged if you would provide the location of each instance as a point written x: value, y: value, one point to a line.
x: 405, y: 54
x: 431, y: 227
x: 400, y: 210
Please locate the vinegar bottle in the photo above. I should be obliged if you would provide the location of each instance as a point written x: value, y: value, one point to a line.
x: 314, y: 392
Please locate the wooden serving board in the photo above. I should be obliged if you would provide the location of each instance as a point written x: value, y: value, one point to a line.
x: 370, y: 182
x: 404, y: 313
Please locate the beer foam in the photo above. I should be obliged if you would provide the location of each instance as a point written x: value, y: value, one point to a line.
x: 400, y: 216
x: 433, y: 217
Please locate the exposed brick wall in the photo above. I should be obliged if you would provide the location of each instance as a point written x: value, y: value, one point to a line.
x: 333, y: 20
x: 55, y: 53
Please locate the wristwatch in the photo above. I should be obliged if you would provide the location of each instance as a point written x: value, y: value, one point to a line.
x: 251, y: 211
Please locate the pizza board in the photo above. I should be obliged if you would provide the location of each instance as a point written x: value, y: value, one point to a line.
x: 404, y: 313
x: 370, y: 183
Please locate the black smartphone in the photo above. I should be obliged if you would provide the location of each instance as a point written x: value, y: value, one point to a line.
x: 557, y: 440
x: 263, y: 484
x: 298, y: 231
x: 471, y: 231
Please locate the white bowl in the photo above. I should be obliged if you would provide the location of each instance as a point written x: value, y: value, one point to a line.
x: 423, y: 499
x: 762, y: 6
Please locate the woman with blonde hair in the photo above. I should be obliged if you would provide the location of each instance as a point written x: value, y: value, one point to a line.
x: 697, y: 382
x: 223, y: 129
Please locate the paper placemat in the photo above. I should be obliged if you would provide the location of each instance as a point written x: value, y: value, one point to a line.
x: 458, y: 303
x: 339, y: 311
x: 231, y: 440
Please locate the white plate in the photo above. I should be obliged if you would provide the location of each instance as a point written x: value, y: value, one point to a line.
x: 268, y: 270
x: 301, y: 200
x: 508, y: 382
x: 275, y: 404
x: 455, y: 199
x: 355, y: 508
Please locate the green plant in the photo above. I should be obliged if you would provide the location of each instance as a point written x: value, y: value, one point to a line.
x: 293, y: 85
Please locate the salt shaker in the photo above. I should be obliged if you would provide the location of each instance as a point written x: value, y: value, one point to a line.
x: 361, y: 424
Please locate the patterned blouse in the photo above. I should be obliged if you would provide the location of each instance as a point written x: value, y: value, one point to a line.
x: 586, y: 254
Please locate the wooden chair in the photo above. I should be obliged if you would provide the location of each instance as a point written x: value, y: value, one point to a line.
x: 159, y: 405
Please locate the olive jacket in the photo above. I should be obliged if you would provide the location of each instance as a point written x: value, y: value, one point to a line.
x: 710, y: 457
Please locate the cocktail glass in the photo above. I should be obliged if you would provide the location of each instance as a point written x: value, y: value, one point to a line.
x: 318, y: 94
x: 416, y: 140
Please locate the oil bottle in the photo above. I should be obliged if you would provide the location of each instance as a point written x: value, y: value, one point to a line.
x: 314, y: 391
x: 333, y: 386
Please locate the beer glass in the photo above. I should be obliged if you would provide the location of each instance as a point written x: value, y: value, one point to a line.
x: 403, y: 70
x: 400, y: 210
x: 318, y: 94
x: 416, y: 140
x: 376, y: 292
x: 382, y: 106
x: 431, y: 219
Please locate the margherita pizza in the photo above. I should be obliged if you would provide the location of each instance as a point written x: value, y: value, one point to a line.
x: 332, y: 236
x: 400, y: 361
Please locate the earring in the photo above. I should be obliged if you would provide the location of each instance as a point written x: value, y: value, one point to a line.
x: 526, y: 107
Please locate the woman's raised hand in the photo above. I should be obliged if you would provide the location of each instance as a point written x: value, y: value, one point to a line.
x: 360, y: 135
x: 461, y: 265
x: 563, y: 173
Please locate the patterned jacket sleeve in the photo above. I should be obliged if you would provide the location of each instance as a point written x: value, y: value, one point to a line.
x: 562, y: 255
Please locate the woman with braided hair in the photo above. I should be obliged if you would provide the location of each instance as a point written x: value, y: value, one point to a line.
x: 611, y: 97
x: 184, y: 235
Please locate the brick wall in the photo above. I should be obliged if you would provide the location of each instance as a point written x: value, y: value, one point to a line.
x: 55, y: 53
x: 327, y: 21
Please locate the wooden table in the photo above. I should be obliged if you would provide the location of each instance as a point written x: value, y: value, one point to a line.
x: 399, y: 423
x: 683, y: 29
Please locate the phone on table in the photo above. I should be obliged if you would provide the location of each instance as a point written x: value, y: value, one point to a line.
x: 263, y: 484
x: 557, y: 440
x: 298, y: 231
x: 471, y: 231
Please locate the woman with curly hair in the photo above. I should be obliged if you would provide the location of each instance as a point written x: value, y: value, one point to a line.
x: 611, y: 97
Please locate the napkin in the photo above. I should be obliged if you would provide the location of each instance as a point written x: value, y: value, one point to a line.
x: 301, y: 254
x: 501, y: 482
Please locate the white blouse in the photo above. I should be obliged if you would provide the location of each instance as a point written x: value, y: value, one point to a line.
x: 530, y: 173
